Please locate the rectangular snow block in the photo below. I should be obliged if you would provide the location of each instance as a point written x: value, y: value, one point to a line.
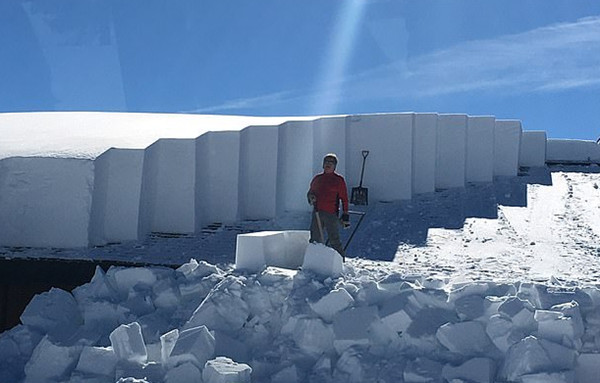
x: 294, y: 165
x: 322, y: 260
x: 507, y: 146
x: 533, y: 149
x: 258, y: 172
x: 255, y: 251
x: 116, y: 196
x: 329, y: 136
x: 480, y: 149
x: 45, y: 202
x: 388, y: 169
x: 450, y: 168
x: 168, y: 187
x: 572, y: 151
x: 424, y: 152
x: 217, y: 178
x: 128, y: 343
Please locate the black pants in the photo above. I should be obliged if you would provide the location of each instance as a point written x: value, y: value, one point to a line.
x: 331, y: 226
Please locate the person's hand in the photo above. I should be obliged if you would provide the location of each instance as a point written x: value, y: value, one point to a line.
x: 312, y: 198
x: 346, y: 220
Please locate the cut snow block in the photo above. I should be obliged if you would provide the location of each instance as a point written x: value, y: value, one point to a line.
x: 388, y: 169
x: 54, y: 313
x: 533, y: 149
x: 481, y: 370
x: 572, y: 151
x: 507, y: 145
x: 588, y: 368
x: 97, y: 361
x: 258, y: 172
x: 255, y: 251
x: 465, y: 338
x: 168, y: 187
x: 351, y: 327
x: 559, y: 328
x: 294, y: 165
x: 424, y: 152
x: 480, y: 149
x: 450, y: 167
x: 225, y: 370
x: 217, y: 177
x: 195, y: 345
x: 329, y: 136
x: 50, y: 362
x: 116, y: 197
x: 45, y: 202
x: 313, y: 336
x: 128, y: 343
x: 322, y: 260
x: 332, y: 303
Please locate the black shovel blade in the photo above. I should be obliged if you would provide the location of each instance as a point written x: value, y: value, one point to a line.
x: 359, y: 196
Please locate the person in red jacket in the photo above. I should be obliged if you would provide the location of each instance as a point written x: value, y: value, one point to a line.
x: 327, y: 189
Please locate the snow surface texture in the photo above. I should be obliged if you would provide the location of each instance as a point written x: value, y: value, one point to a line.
x: 201, y: 323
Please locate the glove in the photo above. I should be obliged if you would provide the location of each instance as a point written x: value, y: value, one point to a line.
x: 345, y: 220
x: 312, y: 198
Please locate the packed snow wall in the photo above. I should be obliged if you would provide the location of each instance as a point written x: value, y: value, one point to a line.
x: 179, y: 185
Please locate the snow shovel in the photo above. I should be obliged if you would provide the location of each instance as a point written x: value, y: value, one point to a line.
x: 360, y: 195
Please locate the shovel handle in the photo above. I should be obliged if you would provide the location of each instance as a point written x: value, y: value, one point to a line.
x: 365, y: 153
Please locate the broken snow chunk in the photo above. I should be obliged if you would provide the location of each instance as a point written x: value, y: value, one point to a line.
x: 55, y: 313
x: 351, y: 326
x: 312, y: 336
x: 422, y: 370
x: 125, y: 279
x: 128, y: 343
x: 196, y: 345
x: 167, y: 343
x: 332, y: 303
x: 185, y: 373
x: 50, y: 362
x: 481, y: 370
x: 225, y: 370
x: 286, y: 375
x: 97, y: 361
x: 556, y: 327
x: 465, y: 338
x: 588, y: 368
x: 322, y: 260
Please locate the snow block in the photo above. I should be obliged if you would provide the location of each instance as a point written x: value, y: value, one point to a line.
x: 388, y: 169
x: 312, y: 336
x: 480, y: 149
x: 97, y: 361
x: 50, y: 362
x: 533, y: 149
x: 465, y: 338
x: 54, y: 313
x: 424, y: 152
x: 572, y: 151
x: 294, y: 165
x: 588, y: 368
x: 168, y: 187
x: 225, y: 370
x: 255, y: 251
x: 480, y: 370
x: 565, y: 327
x: 258, y: 172
x: 128, y: 343
x: 450, y: 168
x: 217, y: 178
x: 507, y: 146
x: 45, y: 202
x: 322, y: 260
x: 195, y: 345
x: 185, y: 373
x: 392, y: 313
x: 351, y: 327
x: 332, y: 303
x: 124, y: 279
x: 116, y: 196
x: 329, y: 136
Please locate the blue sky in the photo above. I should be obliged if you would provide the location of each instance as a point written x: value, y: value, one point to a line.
x: 534, y: 60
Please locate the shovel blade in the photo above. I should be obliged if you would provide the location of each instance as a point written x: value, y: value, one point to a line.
x: 359, y: 196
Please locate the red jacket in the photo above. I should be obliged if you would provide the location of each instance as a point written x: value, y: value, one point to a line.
x: 329, y: 188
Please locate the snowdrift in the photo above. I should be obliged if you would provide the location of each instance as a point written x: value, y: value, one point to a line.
x: 201, y: 323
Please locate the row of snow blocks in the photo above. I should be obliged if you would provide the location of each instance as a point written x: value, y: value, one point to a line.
x: 480, y: 147
x: 116, y: 196
x: 507, y: 146
x: 255, y: 251
x: 217, y: 176
x: 294, y: 165
x: 533, y: 149
x: 258, y: 172
x: 572, y: 151
x: 168, y: 187
x: 388, y: 169
x: 424, y: 149
x: 45, y: 202
x: 451, y: 153
x: 329, y: 136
